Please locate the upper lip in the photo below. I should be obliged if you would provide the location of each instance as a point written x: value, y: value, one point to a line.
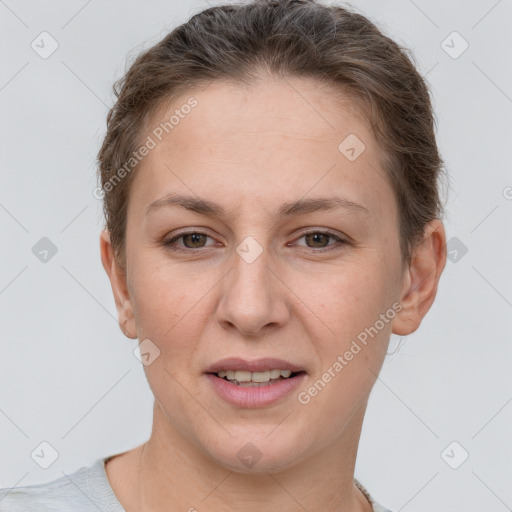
x: 257, y: 365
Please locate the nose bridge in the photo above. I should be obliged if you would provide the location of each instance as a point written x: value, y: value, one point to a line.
x: 250, y: 299
x: 251, y: 267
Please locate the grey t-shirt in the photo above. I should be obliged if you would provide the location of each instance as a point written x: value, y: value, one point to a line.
x: 85, y: 490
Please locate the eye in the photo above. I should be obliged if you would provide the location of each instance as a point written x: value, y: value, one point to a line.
x: 197, y: 240
x: 320, y: 239
x: 191, y: 240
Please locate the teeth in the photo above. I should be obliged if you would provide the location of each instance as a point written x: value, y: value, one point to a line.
x: 275, y: 374
x: 245, y: 376
x: 260, y: 376
x: 242, y: 376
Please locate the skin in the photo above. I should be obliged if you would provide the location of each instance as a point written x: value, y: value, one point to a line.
x: 250, y: 149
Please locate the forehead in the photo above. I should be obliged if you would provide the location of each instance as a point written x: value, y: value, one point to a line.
x: 261, y: 142
x: 292, y: 108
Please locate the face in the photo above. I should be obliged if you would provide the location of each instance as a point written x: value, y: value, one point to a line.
x: 254, y: 243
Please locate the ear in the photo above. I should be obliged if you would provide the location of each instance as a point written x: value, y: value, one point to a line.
x: 117, y: 278
x: 421, y: 279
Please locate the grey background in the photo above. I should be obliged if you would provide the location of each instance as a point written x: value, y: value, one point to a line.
x: 69, y: 377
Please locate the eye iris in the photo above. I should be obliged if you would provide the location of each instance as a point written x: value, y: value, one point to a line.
x: 317, y: 237
x: 195, y: 237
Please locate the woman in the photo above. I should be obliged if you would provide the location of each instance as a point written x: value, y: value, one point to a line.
x: 269, y: 175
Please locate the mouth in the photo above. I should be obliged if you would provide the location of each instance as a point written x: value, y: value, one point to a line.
x: 257, y: 383
x: 256, y: 379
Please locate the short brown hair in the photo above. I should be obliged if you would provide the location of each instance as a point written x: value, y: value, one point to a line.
x: 301, y: 38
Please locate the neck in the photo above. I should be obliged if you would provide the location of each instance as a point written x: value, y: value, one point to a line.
x: 173, y: 470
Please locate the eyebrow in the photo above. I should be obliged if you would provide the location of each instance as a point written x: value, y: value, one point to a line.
x: 299, y: 207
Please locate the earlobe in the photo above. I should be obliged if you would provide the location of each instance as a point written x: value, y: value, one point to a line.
x: 421, y: 279
x: 118, y: 283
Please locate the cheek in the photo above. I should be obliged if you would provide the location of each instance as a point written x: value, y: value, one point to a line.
x: 166, y: 308
x: 353, y: 299
x: 352, y: 354
x: 160, y: 288
x: 167, y: 305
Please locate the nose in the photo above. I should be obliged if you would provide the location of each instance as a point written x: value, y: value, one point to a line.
x: 254, y: 300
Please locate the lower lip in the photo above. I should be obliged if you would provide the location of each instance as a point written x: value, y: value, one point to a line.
x: 257, y: 396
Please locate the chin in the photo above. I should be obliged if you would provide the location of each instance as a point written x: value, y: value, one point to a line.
x: 257, y: 453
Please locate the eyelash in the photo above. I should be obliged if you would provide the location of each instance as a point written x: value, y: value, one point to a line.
x: 169, y: 244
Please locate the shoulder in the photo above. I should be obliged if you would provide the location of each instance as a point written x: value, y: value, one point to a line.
x: 379, y: 508
x: 376, y: 507
x: 69, y: 492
